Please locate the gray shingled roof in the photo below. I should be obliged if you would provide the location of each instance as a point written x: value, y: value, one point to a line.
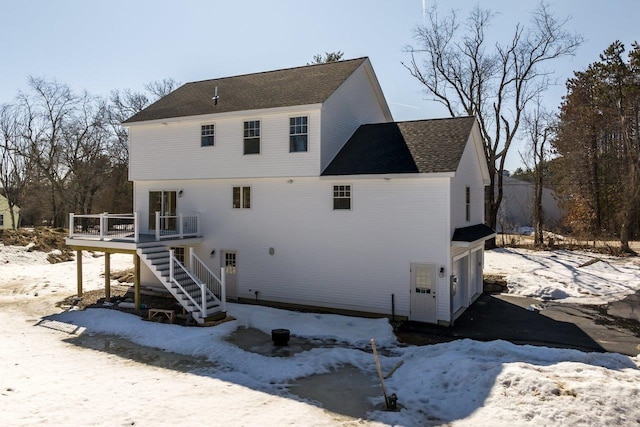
x: 424, y: 146
x: 311, y: 84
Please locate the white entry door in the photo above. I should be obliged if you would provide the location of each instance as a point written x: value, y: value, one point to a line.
x: 423, y: 292
x: 230, y: 264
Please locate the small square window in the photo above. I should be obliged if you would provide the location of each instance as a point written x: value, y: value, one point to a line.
x: 252, y: 137
x: 207, y: 135
x: 341, y: 197
x: 241, y: 197
x: 298, y: 134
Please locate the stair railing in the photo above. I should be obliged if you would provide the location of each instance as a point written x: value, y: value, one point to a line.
x: 216, y: 286
x: 175, y: 263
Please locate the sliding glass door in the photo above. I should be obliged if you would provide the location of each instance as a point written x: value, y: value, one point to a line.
x: 165, y: 203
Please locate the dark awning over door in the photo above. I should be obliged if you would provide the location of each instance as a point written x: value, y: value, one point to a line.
x: 468, y: 236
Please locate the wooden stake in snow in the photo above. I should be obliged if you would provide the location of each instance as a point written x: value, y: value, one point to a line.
x: 391, y: 400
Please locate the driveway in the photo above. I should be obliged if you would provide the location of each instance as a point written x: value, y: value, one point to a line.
x: 611, y: 328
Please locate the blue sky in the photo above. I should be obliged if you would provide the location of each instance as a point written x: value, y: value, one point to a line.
x: 103, y: 45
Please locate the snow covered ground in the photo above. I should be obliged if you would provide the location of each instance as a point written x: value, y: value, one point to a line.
x: 48, y: 378
x: 578, y: 277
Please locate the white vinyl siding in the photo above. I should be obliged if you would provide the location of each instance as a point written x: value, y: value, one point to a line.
x: 469, y: 176
x: 353, y: 104
x: 166, y: 151
x: 358, y: 260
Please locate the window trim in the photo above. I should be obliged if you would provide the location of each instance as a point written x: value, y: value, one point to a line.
x: 211, y: 135
x: 306, y: 134
x: 241, y: 204
x: 334, y: 197
x: 467, y: 197
x: 246, y: 138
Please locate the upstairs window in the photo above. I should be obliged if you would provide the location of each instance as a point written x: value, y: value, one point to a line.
x: 241, y: 197
x: 341, y: 197
x: 207, y: 136
x: 468, y: 204
x: 298, y: 134
x: 252, y: 137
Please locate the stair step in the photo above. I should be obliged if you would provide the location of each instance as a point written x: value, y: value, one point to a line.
x: 154, y: 250
x: 157, y: 255
x: 186, y: 290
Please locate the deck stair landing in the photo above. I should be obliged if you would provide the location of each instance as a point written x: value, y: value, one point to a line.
x: 187, y: 288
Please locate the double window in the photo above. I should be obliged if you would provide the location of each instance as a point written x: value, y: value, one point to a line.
x: 207, y: 135
x: 241, y: 197
x: 341, y: 197
x: 252, y: 137
x: 298, y: 134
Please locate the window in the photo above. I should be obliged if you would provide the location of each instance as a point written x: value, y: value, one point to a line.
x: 230, y: 263
x: 252, y: 137
x: 1, y: 220
x: 341, y: 197
x: 207, y: 136
x: 241, y: 197
x: 468, y: 204
x: 298, y: 134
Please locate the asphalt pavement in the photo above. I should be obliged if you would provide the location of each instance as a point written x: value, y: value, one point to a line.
x: 607, y: 328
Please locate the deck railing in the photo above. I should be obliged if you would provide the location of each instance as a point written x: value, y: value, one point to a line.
x: 126, y: 227
x: 105, y: 226
x: 172, y: 226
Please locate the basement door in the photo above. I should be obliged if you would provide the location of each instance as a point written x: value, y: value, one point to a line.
x: 423, y: 292
x: 230, y: 263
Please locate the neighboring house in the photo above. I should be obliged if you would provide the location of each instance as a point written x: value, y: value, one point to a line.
x: 300, y: 190
x: 5, y: 214
x: 516, y: 209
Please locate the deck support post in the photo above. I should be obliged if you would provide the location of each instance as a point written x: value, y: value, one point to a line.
x: 136, y: 281
x: 107, y: 277
x: 79, y: 271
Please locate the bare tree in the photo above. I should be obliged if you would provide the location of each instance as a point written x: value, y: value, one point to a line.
x: 495, y: 83
x: 538, y: 127
x: 161, y: 88
x: 13, y: 166
x: 47, y: 109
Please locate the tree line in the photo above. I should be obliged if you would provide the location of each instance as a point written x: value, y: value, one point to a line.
x: 63, y: 151
x: 589, y: 150
x: 597, y: 143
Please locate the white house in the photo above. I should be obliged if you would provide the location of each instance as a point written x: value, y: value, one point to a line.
x: 5, y: 214
x: 300, y: 190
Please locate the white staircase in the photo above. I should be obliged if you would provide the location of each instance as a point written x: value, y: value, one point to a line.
x: 202, y: 295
